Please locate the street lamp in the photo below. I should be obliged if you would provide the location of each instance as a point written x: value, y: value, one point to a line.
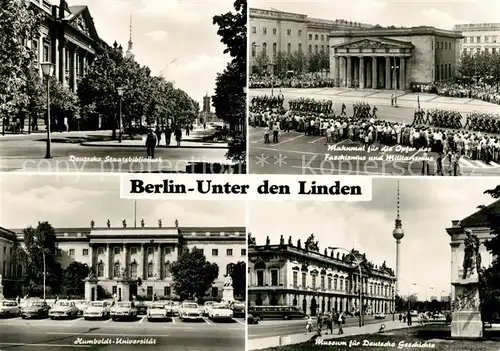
x: 394, y: 76
x: 360, y: 280
x: 120, y: 92
x: 48, y: 70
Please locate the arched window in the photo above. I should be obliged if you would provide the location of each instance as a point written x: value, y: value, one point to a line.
x: 289, y: 48
x: 133, y: 270
x: 275, y: 49
x: 300, y: 47
x: 116, y: 270
x: 229, y: 268
x: 254, y: 49
x: 100, y: 270
x: 316, y: 49
x: 264, y: 49
x: 150, y: 269
x: 310, y: 48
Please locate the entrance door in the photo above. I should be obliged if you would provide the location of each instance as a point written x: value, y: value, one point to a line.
x: 314, y: 306
x: 132, y: 291
x: 93, y: 296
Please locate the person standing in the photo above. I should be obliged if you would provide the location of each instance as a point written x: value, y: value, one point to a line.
x: 168, y: 134
x: 151, y: 143
x: 340, y: 319
x: 329, y: 323
x: 158, y: 134
x: 178, y: 136
x: 408, y: 318
x: 276, y: 131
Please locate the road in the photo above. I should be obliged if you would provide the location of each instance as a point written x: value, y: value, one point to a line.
x: 27, y: 152
x: 61, y: 335
x: 281, y: 327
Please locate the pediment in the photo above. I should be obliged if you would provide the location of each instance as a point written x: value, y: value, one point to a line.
x: 81, y: 19
x: 375, y: 43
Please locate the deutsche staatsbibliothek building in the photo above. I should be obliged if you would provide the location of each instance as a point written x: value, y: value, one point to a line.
x: 138, y: 253
x: 291, y: 274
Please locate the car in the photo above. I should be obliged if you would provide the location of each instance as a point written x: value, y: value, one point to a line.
x: 379, y: 316
x: 63, y: 309
x: 169, y: 308
x: 220, y: 311
x: 97, y: 309
x: 35, y: 309
x: 157, y: 310
x: 206, y: 307
x: 251, y: 319
x: 82, y: 305
x: 239, y: 309
x: 190, y: 311
x: 141, y: 307
x: 123, y: 310
x: 9, y: 308
x: 414, y: 313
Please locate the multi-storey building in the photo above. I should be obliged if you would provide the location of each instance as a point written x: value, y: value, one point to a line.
x: 143, y: 254
x: 288, y: 274
x: 480, y: 37
x: 273, y: 31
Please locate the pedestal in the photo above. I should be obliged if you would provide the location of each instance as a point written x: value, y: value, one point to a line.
x: 466, y: 320
x: 228, y: 294
x: 90, y: 290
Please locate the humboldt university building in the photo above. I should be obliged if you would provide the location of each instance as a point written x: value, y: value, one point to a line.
x: 288, y: 274
x: 143, y: 253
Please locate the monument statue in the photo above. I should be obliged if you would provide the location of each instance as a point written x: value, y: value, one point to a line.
x: 124, y: 223
x: 251, y: 239
x: 325, y: 252
x: 159, y: 223
x: 290, y: 241
x: 108, y: 223
x: 176, y: 223
x: 228, y: 282
x: 92, y: 224
x: 268, y: 241
x: 472, y: 256
x: 142, y: 223
x: 282, y: 240
x: 299, y: 245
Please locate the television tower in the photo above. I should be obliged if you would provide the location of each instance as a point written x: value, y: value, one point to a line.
x: 398, y: 234
x: 130, y: 49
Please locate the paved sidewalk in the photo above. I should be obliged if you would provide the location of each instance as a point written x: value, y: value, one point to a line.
x: 275, y: 341
x: 141, y: 144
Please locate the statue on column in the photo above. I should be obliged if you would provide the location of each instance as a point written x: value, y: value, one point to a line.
x: 472, y: 256
x: 282, y: 240
x: 251, y: 240
x: 268, y: 241
x: 124, y: 223
x: 143, y: 223
x: 290, y: 243
x: 299, y: 245
x: 176, y: 223
x: 108, y: 223
x: 159, y: 223
x: 92, y: 224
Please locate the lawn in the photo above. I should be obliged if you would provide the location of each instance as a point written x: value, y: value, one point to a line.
x: 432, y: 337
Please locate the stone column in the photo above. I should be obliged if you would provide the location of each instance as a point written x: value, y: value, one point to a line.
x: 348, y: 74
x: 125, y: 256
x: 387, y: 72
x: 158, y: 261
x: 54, y: 56
x: 108, y: 262
x: 356, y: 72
x: 402, y: 73
x: 62, y: 63
x: 337, y: 69
x: 361, y: 72
x: 374, y: 72
x: 369, y: 83
x: 74, y: 67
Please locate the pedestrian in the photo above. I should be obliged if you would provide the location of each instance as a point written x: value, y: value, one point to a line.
x: 158, y: 133
x: 329, y: 323
x: 408, y: 317
x: 276, y: 130
x: 178, y: 136
x: 267, y: 131
x: 168, y: 134
x: 400, y: 317
x: 340, y: 321
x: 320, y: 324
x: 151, y: 144
x: 188, y: 129
x: 309, y: 324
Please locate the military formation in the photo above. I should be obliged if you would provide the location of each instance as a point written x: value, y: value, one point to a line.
x: 272, y: 102
x: 311, y: 105
x: 363, y: 110
x: 483, y: 122
x: 476, y: 121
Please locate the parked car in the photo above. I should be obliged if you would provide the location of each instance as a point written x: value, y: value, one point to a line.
x: 63, y: 309
x: 190, y: 310
x: 82, y: 305
x: 123, y: 310
x: 97, y: 309
x: 35, y: 309
x: 157, y: 311
x: 379, y: 316
x: 206, y: 307
x: 9, y: 308
x: 251, y: 319
x: 220, y: 311
x: 239, y: 309
x: 141, y: 307
x: 414, y: 313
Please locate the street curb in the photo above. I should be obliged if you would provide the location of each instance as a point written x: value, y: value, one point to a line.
x: 90, y: 144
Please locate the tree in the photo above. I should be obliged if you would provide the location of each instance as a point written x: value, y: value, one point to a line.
x: 298, y: 62
x: 73, y: 279
x: 239, y: 276
x: 37, y: 242
x: 261, y: 64
x: 192, y: 274
x: 19, y: 23
x: 281, y: 64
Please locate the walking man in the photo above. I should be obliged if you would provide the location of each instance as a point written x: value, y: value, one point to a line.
x: 151, y: 142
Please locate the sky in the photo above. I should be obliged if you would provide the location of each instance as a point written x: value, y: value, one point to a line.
x: 442, y: 14
x: 164, y: 31
x: 75, y: 200
x: 427, y: 209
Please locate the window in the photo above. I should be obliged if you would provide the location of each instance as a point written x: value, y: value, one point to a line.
x: 150, y: 250
x: 316, y: 49
x: 72, y: 252
x: 342, y: 285
x: 168, y: 250
x: 150, y: 291
x: 449, y: 70
x: 166, y: 270
x: 229, y: 252
x: 335, y: 284
x: 100, y: 250
x: 274, y: 31
x: 493, y: 50
x: 288, y: 32
x: 114, y: 289
x: 264, y: 30
x: 322, y: 37
x: 322, y: 48
x: 275, y: 49
x: 254, y: 49
x: 116, y: 270
x: 314, y: 282
x: 310, y: 37
x: 167, y: 291
x: 46, y: 51
x: 215, y: 252
x: 471, y: 40
x: 85, y: 252
x: 478, y: 40
x: 300, y: 47
x: 133, y: 250
x: 316, y: 37
x: 487, y: 50
x: 215, y: 291
x: 100, y: 270
x: 116, y: 250
x: 201, y: 251
x: 260, y: 278
x: 150, y: 270
x: 310, y: 48
x: 304, y: 279
x: 264, y: 49
x: 465, y: 40
x: 254, y: 30
x: 133, y: 270
x: 289, y: 48
x: 295, y: 279
x: 274, y: 277
x: 243, y: 252
x: 299, y: 32
x: 322, y: 282
x: 446, y: 46
x: 4, y: 268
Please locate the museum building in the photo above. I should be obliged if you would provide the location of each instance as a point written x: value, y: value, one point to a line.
x: 291, y: 275
x: 123, y: 256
